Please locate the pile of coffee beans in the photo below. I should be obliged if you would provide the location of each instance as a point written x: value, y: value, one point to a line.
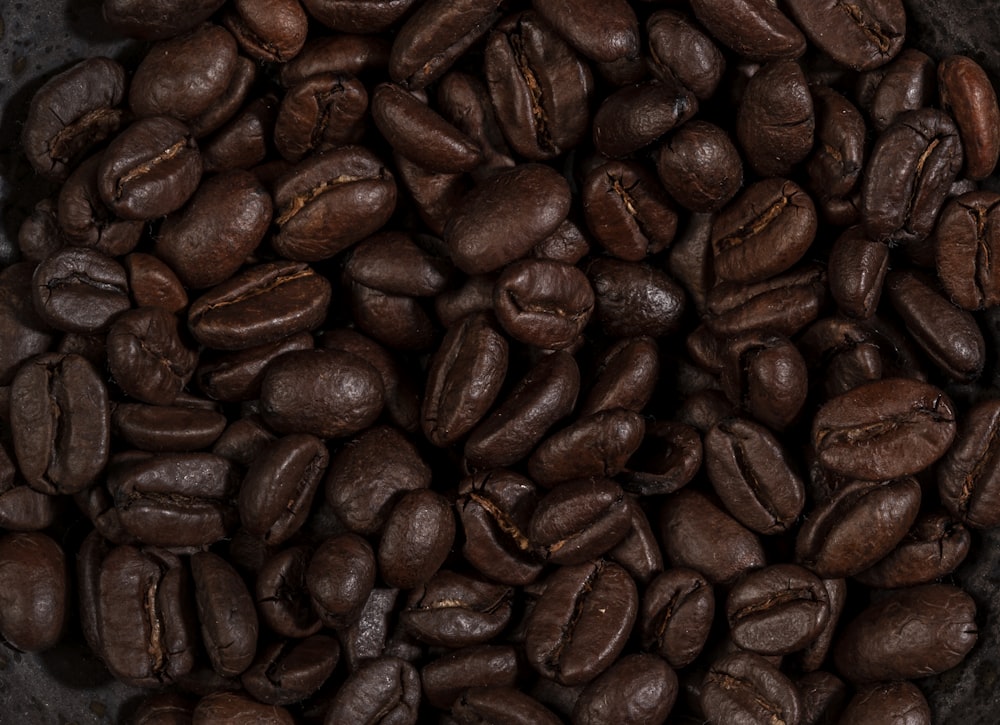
x: 467, y: 361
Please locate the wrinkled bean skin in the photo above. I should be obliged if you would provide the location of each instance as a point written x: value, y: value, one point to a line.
x: 147, y: 356
x: 162, y: 428
x: 745, y: 688
x: 636, y: 116
x: 289, y: 672
x: 579, y: 521
x: 862, y: 35
x: 384, y: 690
x: 900, y: 702
x: 905, y: 84
x: 453, y: 610
x: 268, y: 30
x: 320, y: 113
x: 282, y: 598
x: 700, y: 167
x: 912, y: 633
x: 680, y: 52
x: 417, y: 538
x: 79, y: 290
x: 34, y: 591
x: 236, y: 707
x: 340, y: 577
x: 604, y: 32
x: 543, y: 302
x: 677, y: 611
x: 87, y: 99
x: 856, y: 271
x: 353, y: 17
x: 634, y: 299
x: 933, y: 548
x: 901, y: 425
x: 966, y: 239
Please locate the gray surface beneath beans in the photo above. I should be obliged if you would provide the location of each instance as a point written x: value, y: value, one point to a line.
x: 68, y: 684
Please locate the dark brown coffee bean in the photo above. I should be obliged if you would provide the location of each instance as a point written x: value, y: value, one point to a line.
x: 237, y: 376
x: 692, y: 527
x: 209, y: 240
x: 245, y: 140
x: 676, y: 615
x: 383, y: 690
x: 146, y: 623
x: 859, y: 525
x: 393, y: 262
x: 464, y: 379
x: 397, y: 321
x: 838, y: 156
x: 505, y: 216
x: 753, y: 476
x: 282, y: 597
x: 603, y: 32
x: 79, y: 290
x: 636, y: 116
x: 856, y: 270
x: 40, y: 234
x: 236, y: 707
x: 543, y: 302
x: 777, y: 609
x: 340, y: 577
x: 354, y: 18
x: 418, y: 536
x: 579, y: 520
x: 627, y: 211
x: 164, y: 709
x: 539, y: 86
x: 625, y: 377
x: 330, y: 201
x: 745, y: 687
x: 968, y: 95
x: 640, y: 688
x: 668, y: 458
x: 324, y: 392
x: 452, y: 610
x: 260, y: 305
x: 160, y: 428
x: 226, y: 612
x: 964, y: 242
x: 269, y: 30
x: 888, y: 702
x: 767, y: 375
x: 291, y: 671
x: 862, y: 36
x: 355, y: 54
x: 464, y: 100
x: 153, y: 284
x: 966, y: 478
x: 59, y: 422
x: 635, y: 299
x: 596, y: 445
x: 940, y: 625
x: 539, y: 400
x: 445, y: 678
x: 158, y: 19
x: 909, y: 171
x: 84, y: 219
x: 495, y: 509
x: 681, y: 52
x: 320, y: 113
x: 905, y: 84
x: 582, y: 621
x: 884, y: 430
x: 35, y: 581
x: 71, y: 113
x: 22, y: 508
x: 775, y: 121
x: 932, y: 549
x: 784, y: 304
x: 152, y: 168
x: 496, y: 704
x: 175, y: 499
x: 700, y: 167
x: 147, y: 357
x: 277, y: 492
x: 756, y: 30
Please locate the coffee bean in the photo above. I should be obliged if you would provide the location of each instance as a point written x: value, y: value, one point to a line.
x: 35, y: 580
x: 745, y: 687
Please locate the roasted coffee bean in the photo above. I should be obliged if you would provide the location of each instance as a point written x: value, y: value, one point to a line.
x: 162, y: 428
x: 581, y: 623
x: 175, y: 499
x: 236, y: 376
x: 539, y: 86
x: 291, y: 671
x: 228, y: 104
x: 152, y: 168
x: 368, y: 473
x: 226, y: 612
x: 85, y: 221
x: 908, y: 174
x: 464, y: 379
x: 147, y: 357
x: 207, y: 242
x: 753, y: 476
x: 445, y: 678
x: 236, y: 707
x: 639, y: 688
x: 888, y: 702
x: 676, y: 615
x: 243, y: 141
x: 352, y: 18
x: 262, y: 304
x: 905, y: 84
x: 320, y: 113
x: 636, y: 116
x: 579, y: 520
x: 681, y: 52
x: 393, y: 262
x: 465, y: 101
x: 696, y: 534
x: 269, y: 30
x: 625, y: 377
x: 383, y: 690
x: 856, y: 271
x: 668, y: 458
x: 639, y: 552
x: 968, y: 95
x: 543, y: 302
x: 168, y: 708
x: 277, y: 492
x: 153, y: 284
x: 340, y: 53
x: 964, y: 241
x: 767, y: 375
x: 940, y: 629
x: 784, y: 304
x: 777, y: 609
x: 24, y: 331
x: 145, y: 616
x: 603, y: 32
x: 932, y: 549
x: 399, y: 322
x: 745, y: 687
x: 282, y: 597
x: 495, y: 509
x: 596, y: 445
x: 775, y: 122
x: 700, y: 167
x: 859, y: 525
x: 71, y: 113
x: 60, y: 423
x: 329, y: 201
x: 35, y: 582
x: 835, y: 165
x: 764, y: 232
x: 340, y: 577
x: 418, y: 536
x: 452, y: 610
x: 22, y: 508
x: 884, y: 430
x: 159, y: 19
x: 39, y: 234
x: 627, y: 211
x: 182, y: 77
x: 505, y: 216
x: 435, y: 195
x: 492, y: 704
x: 634, y: 299
x: 861, y: 36
x: 966, y: 478
x: 79, y: 290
